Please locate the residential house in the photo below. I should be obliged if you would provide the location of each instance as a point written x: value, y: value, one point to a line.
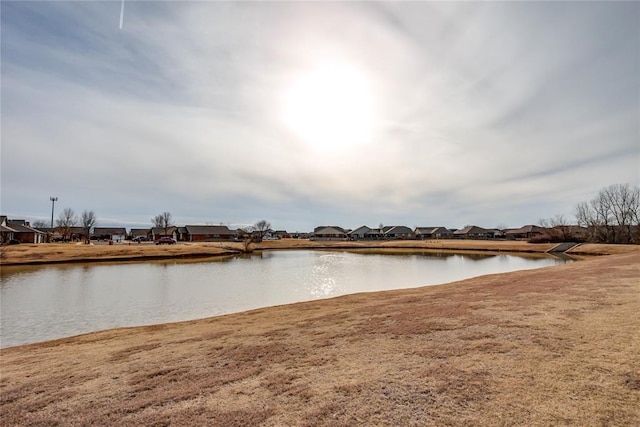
x: 525, y: 232
x: 374, y: 234
x: 48, y: 233
x: 397, y: 232
x: 117, y: 234
x: 6, y: 232
x: 158, y: 232
x: 329, y: 233
x: 429, y: 233
x: 182, y: 234
x: 473, y: 232
x: 281, y: 234
x: 209, y: 233
x: 359, y: 233
x: 20, y: 230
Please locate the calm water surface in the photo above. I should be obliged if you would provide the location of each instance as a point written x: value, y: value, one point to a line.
x: 42, y: 303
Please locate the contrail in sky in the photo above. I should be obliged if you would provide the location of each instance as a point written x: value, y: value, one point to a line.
x: 121, y: 14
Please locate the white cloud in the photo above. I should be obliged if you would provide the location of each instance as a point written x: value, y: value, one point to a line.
x: 482, y: 109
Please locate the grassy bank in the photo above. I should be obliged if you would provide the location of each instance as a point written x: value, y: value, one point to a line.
x: 558, y: 345
x: 25, y: 254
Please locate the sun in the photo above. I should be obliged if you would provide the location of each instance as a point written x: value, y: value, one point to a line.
x: 330, y: 107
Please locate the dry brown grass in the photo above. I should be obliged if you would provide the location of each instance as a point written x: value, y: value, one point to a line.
x: 554, y: 346
x: 67, y: 252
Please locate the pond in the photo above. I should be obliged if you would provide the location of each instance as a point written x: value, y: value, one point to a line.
x: 43, y: 303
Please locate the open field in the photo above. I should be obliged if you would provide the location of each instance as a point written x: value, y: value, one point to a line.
x: 67, y: 252
x: 553, y: 346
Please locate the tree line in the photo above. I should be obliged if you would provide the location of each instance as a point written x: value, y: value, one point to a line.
x: 612, y: 216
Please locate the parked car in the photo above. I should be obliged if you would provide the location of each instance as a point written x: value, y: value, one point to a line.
x: 166, y: 241
x: 141, y: 239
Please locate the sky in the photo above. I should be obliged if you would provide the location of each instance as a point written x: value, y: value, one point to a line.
x: 317, y: 113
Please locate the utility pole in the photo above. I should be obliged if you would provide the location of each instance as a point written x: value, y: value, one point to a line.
x: 53, y: 203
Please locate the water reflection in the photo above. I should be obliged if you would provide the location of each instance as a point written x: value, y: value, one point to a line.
x: 40, y: 303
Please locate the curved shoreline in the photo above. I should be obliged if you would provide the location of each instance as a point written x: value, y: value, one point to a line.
x: 45, y: 254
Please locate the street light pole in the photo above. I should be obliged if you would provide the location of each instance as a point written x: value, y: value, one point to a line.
x: 53, y: 202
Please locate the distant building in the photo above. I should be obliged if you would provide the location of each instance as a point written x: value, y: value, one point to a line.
x: 210, y: 233
x: 398, y: 232
x: 429, y: 233
x: 329, y: 233
x: 117, y: 234
x: 20, y: 230
x: 359, y: 233
x: 473, y: 232
x: 525, y: 232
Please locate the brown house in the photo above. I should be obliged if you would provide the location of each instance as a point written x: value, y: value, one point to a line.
x: 473, y: 232
x: 105, y: 233
x: 210, y: 233
x: 139, y: 232
x: 428, y: 233
x: 20, y: 230
x: 329, y: 233
x: 158, y: 232
x: 397, y: 232
x: 525, y: 232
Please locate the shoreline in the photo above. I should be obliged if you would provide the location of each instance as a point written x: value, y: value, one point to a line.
x: 51, y: 253
x: 555, y: 345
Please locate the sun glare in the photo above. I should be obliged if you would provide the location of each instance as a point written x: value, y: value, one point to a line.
x: 330, y: 108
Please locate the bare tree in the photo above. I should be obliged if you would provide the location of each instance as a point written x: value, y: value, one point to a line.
x: 247, y: 237
x: 88, y: 221
x: 613, y: 215
x: 65, y: 221
x: 558, y: 228
x: 40, y: 223
x: 261, y: 228
x: 164, y: 220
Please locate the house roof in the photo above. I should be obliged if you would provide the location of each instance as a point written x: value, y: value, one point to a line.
x: 431, y: 230
x: 398, y: 229
x: 209, y: 229
x: 328, y: 230
x: 526, y: 229
x: 322, y: 227
x: 139, y: 231
x: 6, y: 229
x: 360, y: 229
x: 160, y: 230
x: 471, y: 229
x: 424, y: 230
x: 19, y: 226
x: 100, y: 231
